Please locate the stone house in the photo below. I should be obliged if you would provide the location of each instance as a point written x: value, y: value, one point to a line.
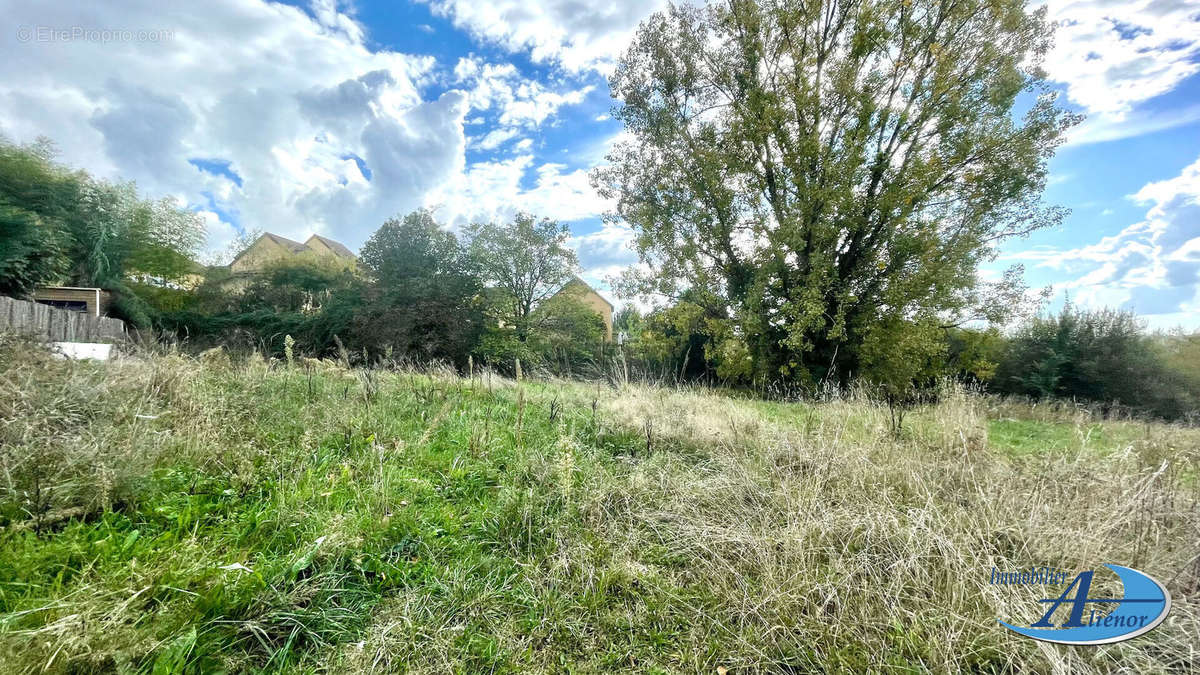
x: 272, y: 248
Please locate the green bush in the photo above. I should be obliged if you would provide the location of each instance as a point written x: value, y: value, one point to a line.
x: 1102, y: 356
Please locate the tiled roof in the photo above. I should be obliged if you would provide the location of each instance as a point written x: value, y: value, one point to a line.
x: 338, y: 247
x: 293, y: 246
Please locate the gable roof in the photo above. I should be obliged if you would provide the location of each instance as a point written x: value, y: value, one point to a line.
x: 337, y: 247
x: 576, y: 281
x: 293, y: 246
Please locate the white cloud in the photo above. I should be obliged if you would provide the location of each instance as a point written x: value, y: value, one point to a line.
x: 495, y: 138
x: 489, y: 191
x: 220, y: 233
x: 516, y: 105
x: 578, y: 36
x: 517, y: 101
x: 1102, y: 127
x: 533, y: 104
x: 598, y: 278
x: 293, y: 102
x: 1112, y: 56
x: 288, y: 99
x: 1152, y: 266
x: 612, y: 240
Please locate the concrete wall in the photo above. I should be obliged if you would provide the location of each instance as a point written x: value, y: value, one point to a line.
x: 60, y: 325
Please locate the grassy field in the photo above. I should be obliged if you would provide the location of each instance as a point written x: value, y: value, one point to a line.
x: 167, y: 514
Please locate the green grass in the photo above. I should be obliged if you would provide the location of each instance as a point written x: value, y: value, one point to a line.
x: 170, y: 514
x: 1023, y: 437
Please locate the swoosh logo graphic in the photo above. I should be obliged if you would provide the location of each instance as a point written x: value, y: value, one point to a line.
x: 1144, y: 596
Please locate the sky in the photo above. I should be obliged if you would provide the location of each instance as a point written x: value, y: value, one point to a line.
x: 328, y: 117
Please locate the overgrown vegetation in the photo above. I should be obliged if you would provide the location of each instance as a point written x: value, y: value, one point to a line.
x: 59, y: 226
x: 417, y: 294
x: 322, y: 466
x: 801, y: 228
x: 1102, y: 356
x: 174, y: 513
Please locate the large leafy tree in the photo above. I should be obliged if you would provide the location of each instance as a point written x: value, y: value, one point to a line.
x: 822, y: 176
x: 34, y: 193
x: 523, y: 263
x: 424, y: 299
x: 114, y: 233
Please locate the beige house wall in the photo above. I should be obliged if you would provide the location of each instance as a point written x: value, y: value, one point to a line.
x: 320, y: 248
x: 590, y: 298
x: 267, y: 250
x: 260, y: 254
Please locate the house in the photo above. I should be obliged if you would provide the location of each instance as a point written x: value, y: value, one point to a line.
x: 90, y: 301
x: 272, y: 248
x: 580, y: 291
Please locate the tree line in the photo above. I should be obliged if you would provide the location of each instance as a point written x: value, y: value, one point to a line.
x: 422, y: 294
x: 418, y: 293
x: 812, y: 187
x: 1103, y: 357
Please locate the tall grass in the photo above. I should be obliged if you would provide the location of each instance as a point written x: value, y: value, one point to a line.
x: 173, y: 513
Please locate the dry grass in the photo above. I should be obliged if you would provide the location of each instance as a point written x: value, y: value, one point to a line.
x: 404, y: 521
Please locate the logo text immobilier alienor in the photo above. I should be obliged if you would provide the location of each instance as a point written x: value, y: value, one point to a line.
x: 1142, y: 605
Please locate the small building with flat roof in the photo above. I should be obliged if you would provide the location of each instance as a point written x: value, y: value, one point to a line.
x: 90, y: 301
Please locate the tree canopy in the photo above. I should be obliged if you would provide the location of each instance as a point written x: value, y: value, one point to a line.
x: 820, y: 176
x: 418, y: 250
x: 425, y: 298
x: 61, y: 226
x: 523, y: 263
x: 34, y: 192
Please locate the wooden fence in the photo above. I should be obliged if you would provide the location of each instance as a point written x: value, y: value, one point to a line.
x: 55, y: 324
